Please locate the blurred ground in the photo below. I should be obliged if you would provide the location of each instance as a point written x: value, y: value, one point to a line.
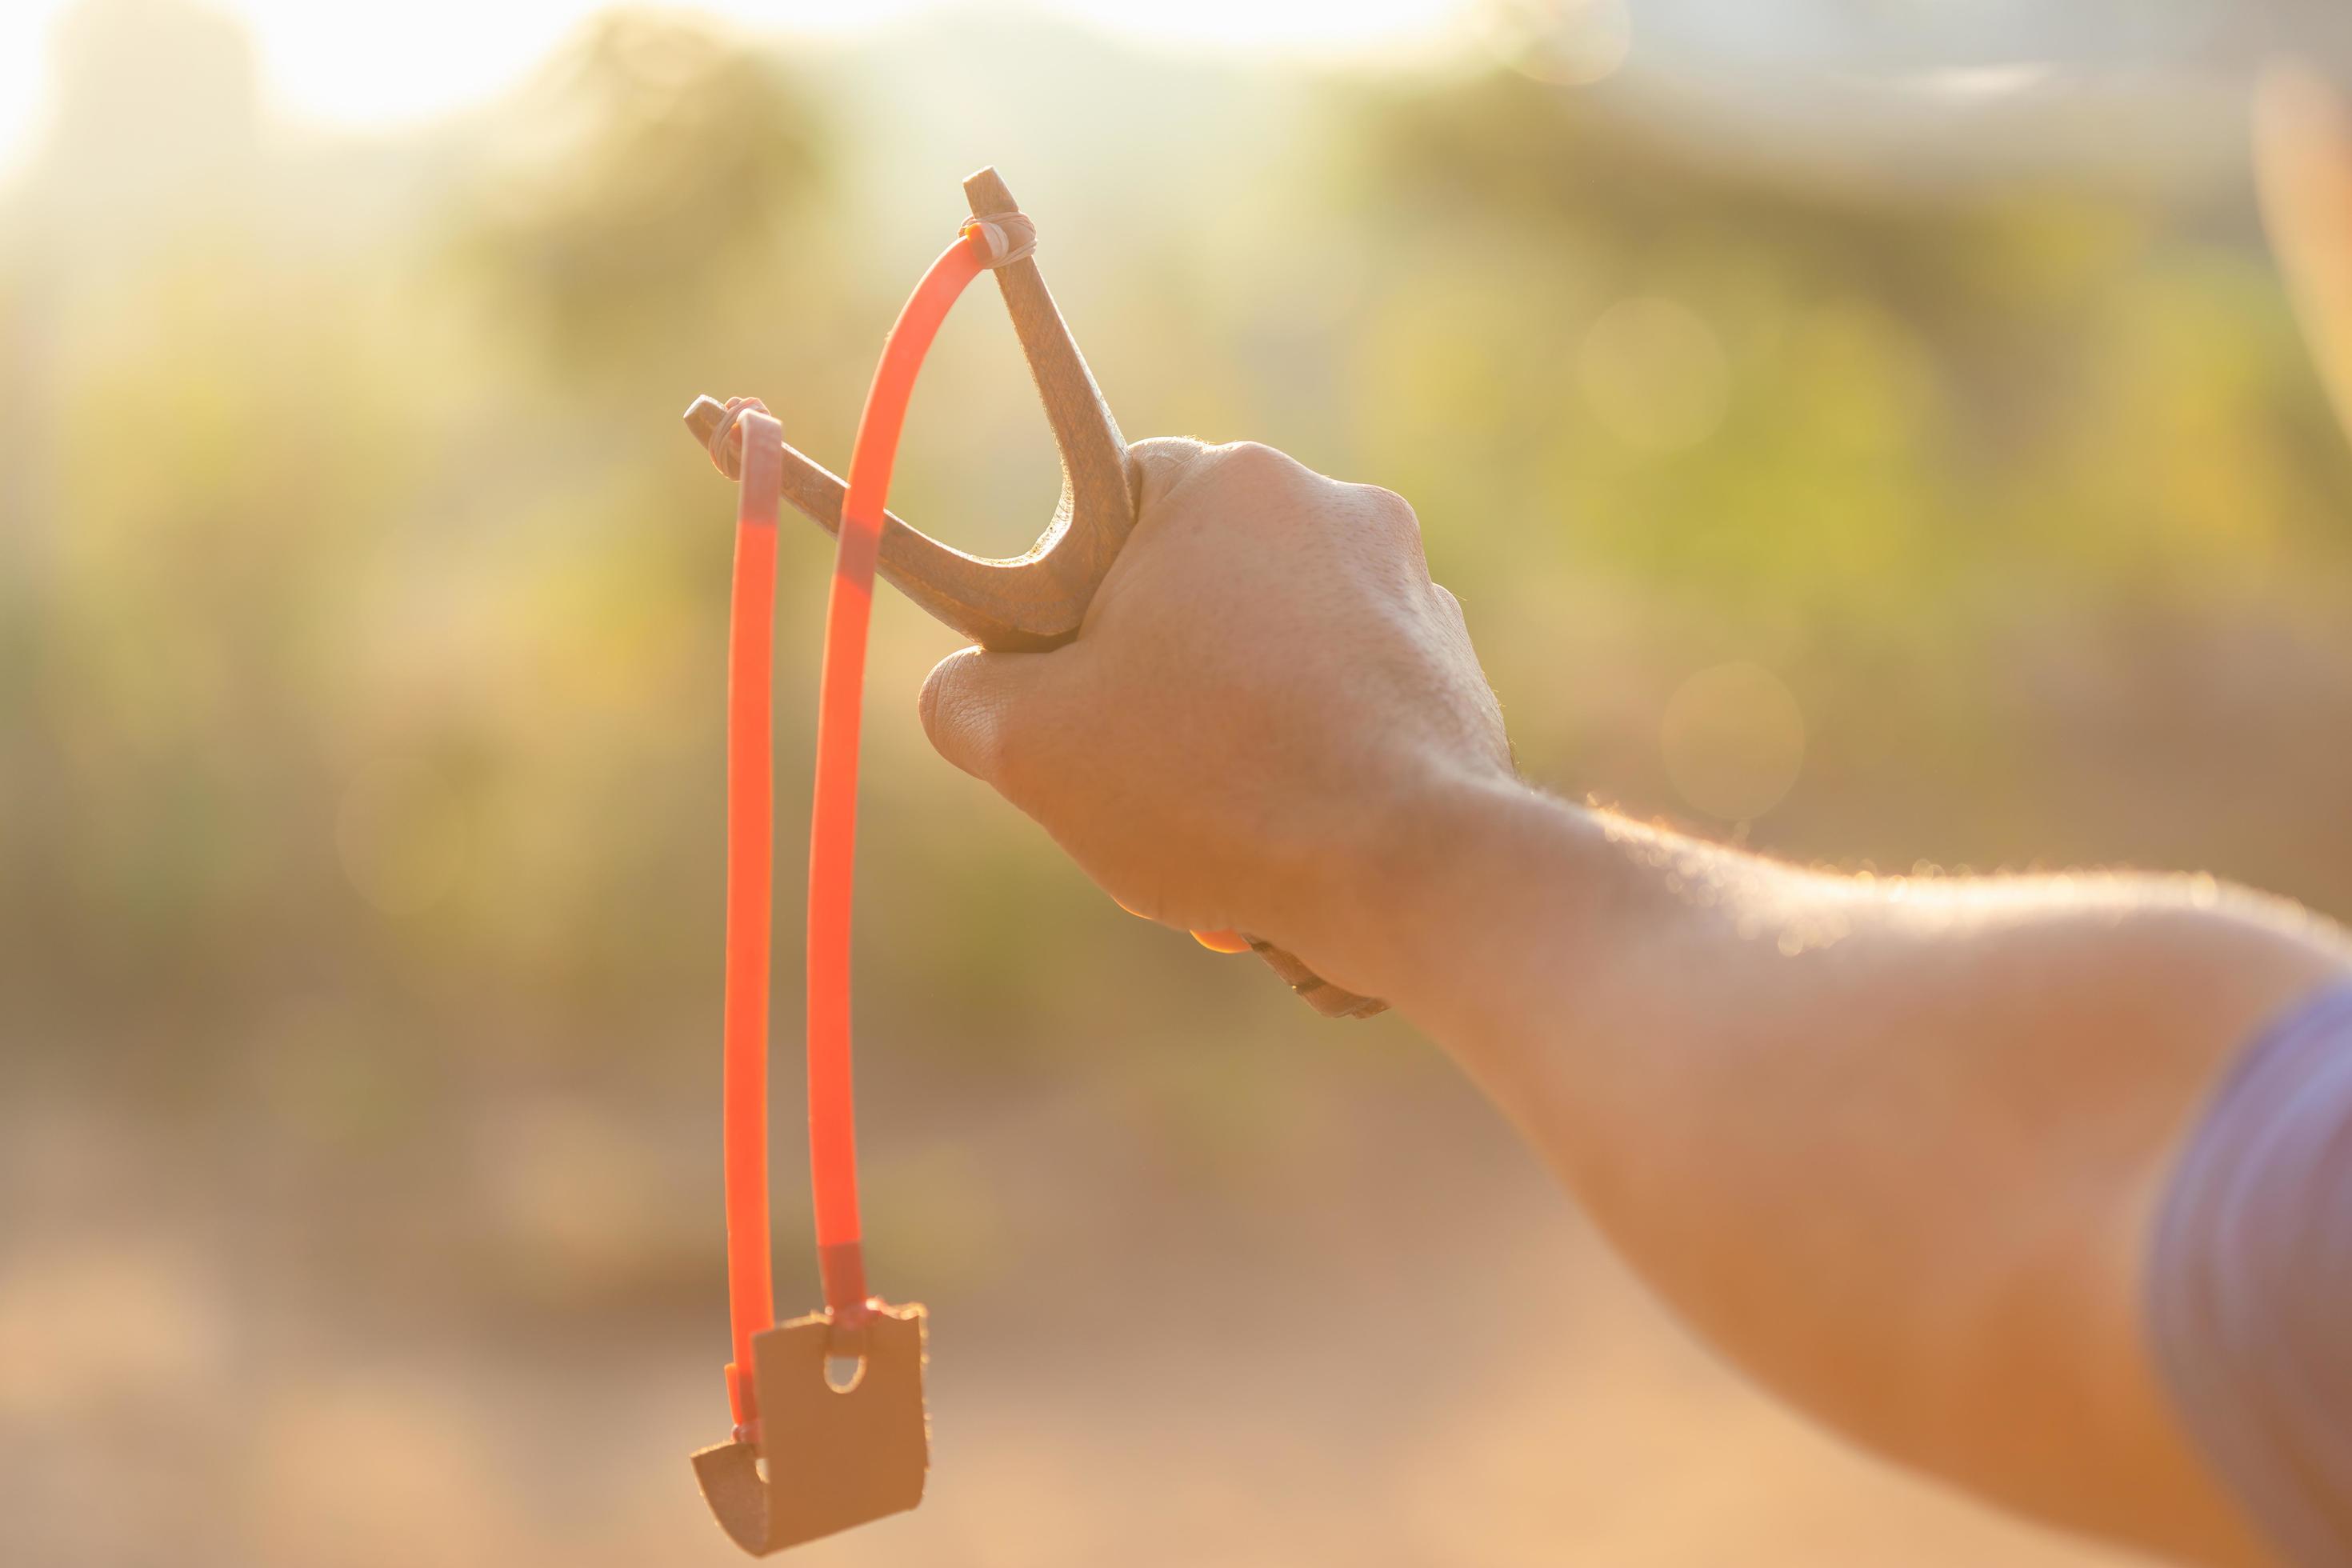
x: 1394, y: 1344
x: 360, y: 613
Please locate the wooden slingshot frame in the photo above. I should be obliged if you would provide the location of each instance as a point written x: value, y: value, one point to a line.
x: 1036, y: 600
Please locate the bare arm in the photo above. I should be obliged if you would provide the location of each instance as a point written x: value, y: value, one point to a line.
x: 1891, y: 1146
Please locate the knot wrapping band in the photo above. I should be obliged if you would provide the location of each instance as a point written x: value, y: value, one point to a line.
x: 727, y: 462
x: 1009, y: 236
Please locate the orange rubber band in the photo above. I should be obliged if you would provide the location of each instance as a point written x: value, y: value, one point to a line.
x: 833, y: 842
x: 750, y: 839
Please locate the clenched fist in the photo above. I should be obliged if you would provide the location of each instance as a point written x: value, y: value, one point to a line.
x: 1261, y: 722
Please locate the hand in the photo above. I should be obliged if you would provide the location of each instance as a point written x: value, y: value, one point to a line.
x: 1268, y: 700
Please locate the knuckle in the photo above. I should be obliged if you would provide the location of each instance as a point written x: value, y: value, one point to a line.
x: 1391, y: 510
x: 1176, y: 450
x: 1456, y: 620
x: 1255, y: 462
x: 1157, y: 464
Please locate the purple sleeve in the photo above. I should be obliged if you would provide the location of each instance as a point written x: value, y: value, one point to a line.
x: 2250, y: 1282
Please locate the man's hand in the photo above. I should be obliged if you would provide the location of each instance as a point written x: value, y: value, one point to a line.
x: 1268, y: 700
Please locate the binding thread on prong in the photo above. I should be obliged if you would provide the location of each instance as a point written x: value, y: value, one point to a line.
x: 1011, y: 237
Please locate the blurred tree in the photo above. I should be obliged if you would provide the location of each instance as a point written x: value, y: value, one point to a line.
x: 652, y: 165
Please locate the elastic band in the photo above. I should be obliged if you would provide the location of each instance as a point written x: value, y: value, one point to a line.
x: 832, y: 830
x: 750, y: 839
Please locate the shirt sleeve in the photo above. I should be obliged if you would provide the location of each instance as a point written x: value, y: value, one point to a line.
x: 2250, y: 1282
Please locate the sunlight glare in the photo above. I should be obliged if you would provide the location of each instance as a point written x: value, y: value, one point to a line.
x: 362, y: 68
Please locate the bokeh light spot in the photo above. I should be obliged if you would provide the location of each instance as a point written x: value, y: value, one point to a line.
x: 1734, y: 740
x: 1568, y: 42
x: 1654, y: 375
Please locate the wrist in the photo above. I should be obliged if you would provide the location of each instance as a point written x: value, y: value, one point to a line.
x: 1457, y: 881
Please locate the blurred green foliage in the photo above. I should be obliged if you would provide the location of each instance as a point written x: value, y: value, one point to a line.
x: 663, y: 172
x: 361, y: 602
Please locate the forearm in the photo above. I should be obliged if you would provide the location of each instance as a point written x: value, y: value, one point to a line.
x: 1889, y: 1145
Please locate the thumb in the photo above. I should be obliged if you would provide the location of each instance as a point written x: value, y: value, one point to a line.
x: 972, y: 702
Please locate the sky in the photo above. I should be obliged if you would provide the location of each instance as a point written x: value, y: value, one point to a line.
x: 363, y: 66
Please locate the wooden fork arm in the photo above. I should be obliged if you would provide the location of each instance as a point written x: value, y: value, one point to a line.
x: 1005, y: 604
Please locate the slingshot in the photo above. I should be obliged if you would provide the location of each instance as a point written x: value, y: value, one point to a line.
x: 808, y: 1458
